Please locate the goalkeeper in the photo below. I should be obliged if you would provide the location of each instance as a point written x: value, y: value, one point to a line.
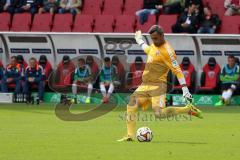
x: 152, y: 92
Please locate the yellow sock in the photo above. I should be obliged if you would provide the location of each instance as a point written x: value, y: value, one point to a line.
x: 172, y: 111
x: 131, y: 120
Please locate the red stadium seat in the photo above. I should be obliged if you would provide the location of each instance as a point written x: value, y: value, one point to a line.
x: 62, y: 23
x: 42, y: 23
x: 146, y: 26
x: 166, y: 21
x: 210, y: 76
x: 131, y: 6
x: 83, y: 23
x: 230, y: 25
x: 104, y: 23
x: 21, y: 22
x: 125, y: 23
x: 92, y: 7
x: 5, y: 21
x: 111, y: 7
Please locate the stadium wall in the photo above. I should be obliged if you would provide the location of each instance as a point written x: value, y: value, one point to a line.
x: 54, y: 45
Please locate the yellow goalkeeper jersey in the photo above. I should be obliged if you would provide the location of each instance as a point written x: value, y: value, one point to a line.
x: 159, y: 61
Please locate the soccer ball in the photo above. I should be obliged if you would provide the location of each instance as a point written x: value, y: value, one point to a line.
x: 144, y: 134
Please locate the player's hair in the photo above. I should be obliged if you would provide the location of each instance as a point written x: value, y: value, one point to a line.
x: 14, y: 57
x: 107, y: 59
x: 81, y: 60
x: 208, y: 7
x: 231, y: 56
x: 156, y: 28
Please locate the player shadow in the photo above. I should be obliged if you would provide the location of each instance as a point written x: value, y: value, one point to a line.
x: 180, y: 142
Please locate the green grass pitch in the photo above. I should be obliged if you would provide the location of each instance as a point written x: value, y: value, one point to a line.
x: 34, y: 132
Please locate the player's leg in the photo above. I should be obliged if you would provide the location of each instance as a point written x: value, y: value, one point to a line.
x: 103, y: 89
x: 26, y: 91
x: 4, y: 87
x: 227, y: 92
x: 138, y: 99
x: 41, y: 87
x: 158, y: 98
x: 131, y: 116
x: 74, y: 88
x: 89, y: 92
x: 110, y: 90
x: 161, y: 111
x: 227, y: 95
x: 104, y: 92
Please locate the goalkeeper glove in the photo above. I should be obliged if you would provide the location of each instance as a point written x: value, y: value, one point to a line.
x: 186, y: 94
x: 138, y: 38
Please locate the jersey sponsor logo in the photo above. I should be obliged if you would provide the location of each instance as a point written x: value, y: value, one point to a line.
x: 171, y: 55
x: 175, y: 63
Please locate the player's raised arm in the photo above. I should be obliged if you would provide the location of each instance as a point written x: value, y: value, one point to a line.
x: 140, y: 41
x: 172, y: 63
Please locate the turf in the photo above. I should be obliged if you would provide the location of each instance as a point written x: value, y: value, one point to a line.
x: 34, y: 132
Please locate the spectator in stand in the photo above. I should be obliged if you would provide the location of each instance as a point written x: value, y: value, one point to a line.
x: 33, y: 76
x: 149, y: 7
x: 83, y: 76
x: 174, y: 6
x: 229, y: 80
x: 2, y: 4
x: 47, y: 67
x: 29, y: 6
x: 71, y: 6
x: 198, y: 3
x: 11, y: 5
x: 232, y: 7
x: 187, y: 22
x: 198, y: 9
x: 49, y: 6
x: 12, y: 76
x: 107, y: 77
x: 210, y: 22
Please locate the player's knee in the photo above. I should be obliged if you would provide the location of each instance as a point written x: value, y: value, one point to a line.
x: 132, y: 101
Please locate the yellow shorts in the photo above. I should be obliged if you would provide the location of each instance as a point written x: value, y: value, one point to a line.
x: 151, y: 95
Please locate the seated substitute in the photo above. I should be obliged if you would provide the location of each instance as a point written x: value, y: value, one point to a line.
x: 82, y: 76
x: 229, y: 81
x: 12, y: 76
x: 108, y: 75
x: 34, y: 76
